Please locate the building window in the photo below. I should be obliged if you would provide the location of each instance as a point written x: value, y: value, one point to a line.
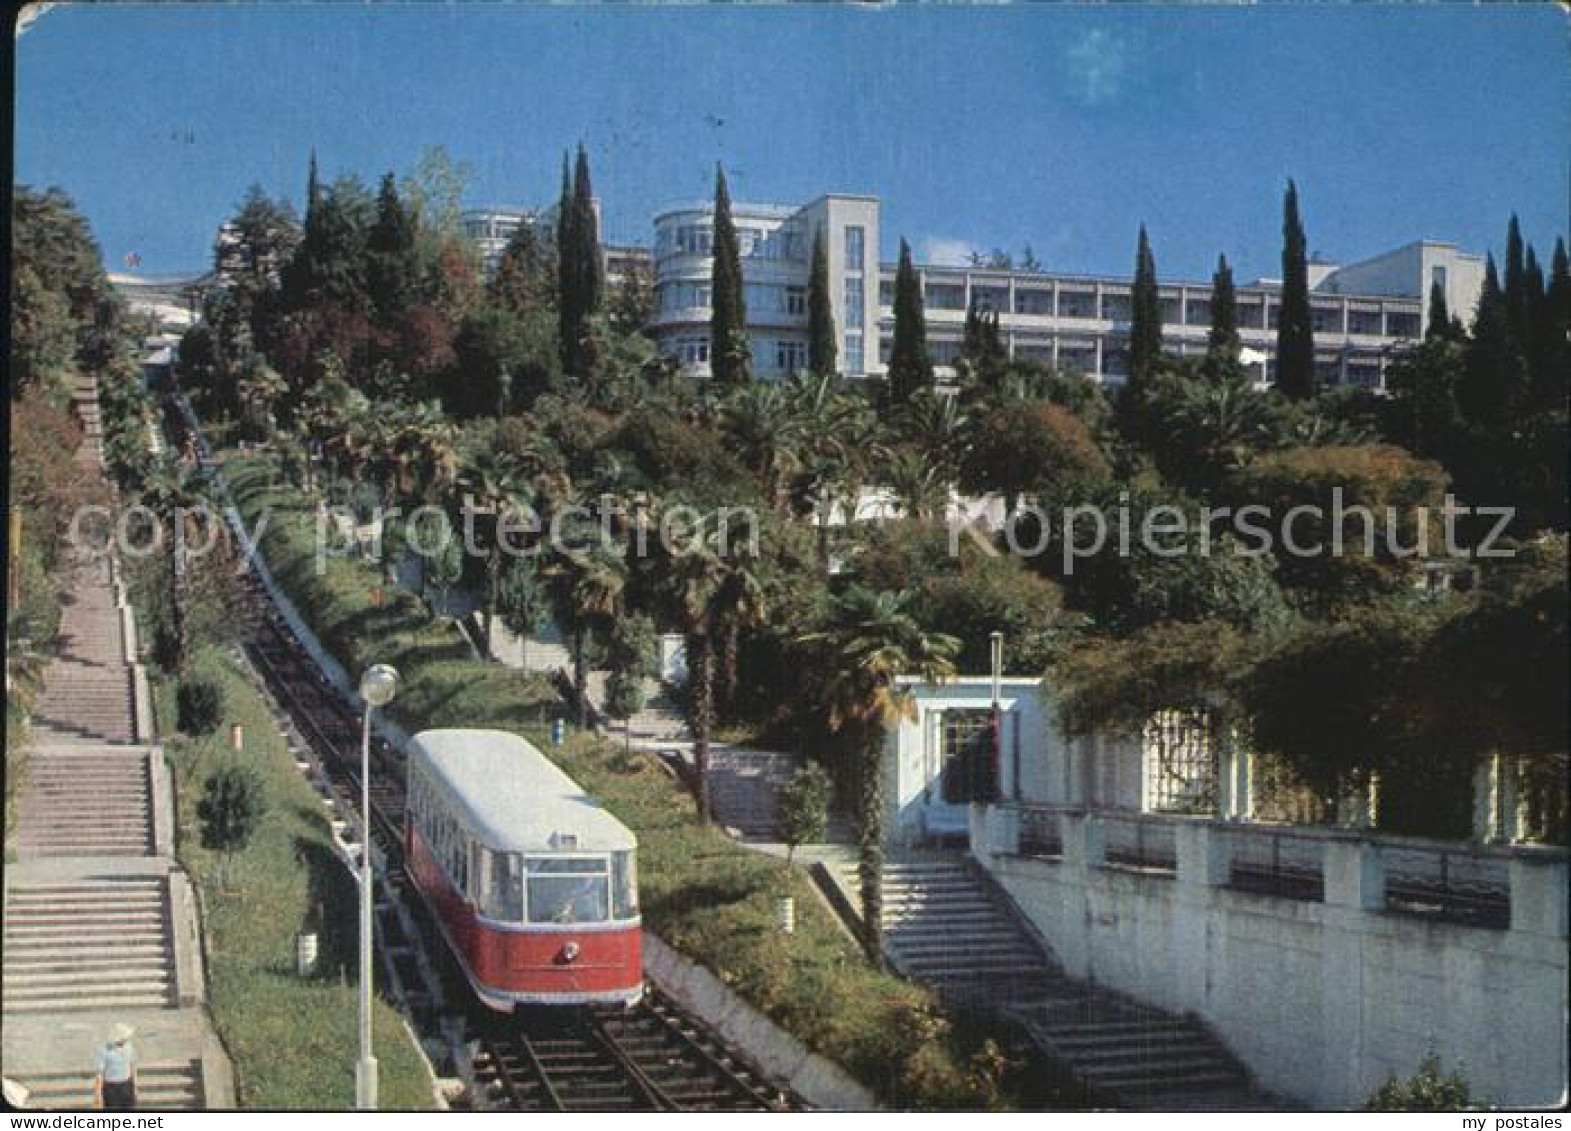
x: 796, y: 300
x: 1401, y: 324
x: 1363, y: 322
x: 991, y: 299
x: 1437, y: 276
x: 886, y: 292
x: 1115, y: 308
x: 854, y: 239
x: 853, y: 350
x: 946, y: 296
x: 1326, y: 319
x: 1076, y: 304
x: 1198, y: 312
x: 1029, y: 301
x: 694, y: 239
x: 854, y: 315
x: 790, y: 356
x: 692, y: 351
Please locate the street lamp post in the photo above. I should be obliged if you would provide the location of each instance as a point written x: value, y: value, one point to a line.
x: 377, y: 687
x: 996, y: 655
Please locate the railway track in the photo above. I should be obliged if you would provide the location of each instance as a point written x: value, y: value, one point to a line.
x: 653, y: 1056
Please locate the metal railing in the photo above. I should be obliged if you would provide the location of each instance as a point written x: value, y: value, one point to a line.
x: 1146, y: 841
x: 1466, y: 884
x: 1281, y: 862
x: 1040, y: 831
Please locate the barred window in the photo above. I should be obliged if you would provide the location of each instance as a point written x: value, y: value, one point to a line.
x: 1180, y: 761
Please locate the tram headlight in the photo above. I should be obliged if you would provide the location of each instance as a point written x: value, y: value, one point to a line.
x: 570, y: 952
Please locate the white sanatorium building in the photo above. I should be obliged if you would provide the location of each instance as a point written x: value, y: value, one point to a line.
x: 1363, y: 312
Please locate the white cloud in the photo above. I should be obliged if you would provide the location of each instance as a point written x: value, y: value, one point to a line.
x: 1095, y: 66
x: 943, y: 251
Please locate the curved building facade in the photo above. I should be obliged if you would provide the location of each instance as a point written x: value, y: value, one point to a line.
x: 776, y: 246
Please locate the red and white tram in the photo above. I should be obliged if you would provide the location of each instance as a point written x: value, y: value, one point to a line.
x: 533, y: 884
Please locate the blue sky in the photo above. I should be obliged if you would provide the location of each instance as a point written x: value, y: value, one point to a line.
x: 1059, y: 127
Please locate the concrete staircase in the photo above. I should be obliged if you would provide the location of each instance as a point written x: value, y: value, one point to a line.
x: 947, y: 927
x: 1137, y: 1057
x: 99, y: 925
x: 86, y: 801
x: 172, y: 1086
x: 744, y: 791
x: 87, y: 694
x: 89, y: 945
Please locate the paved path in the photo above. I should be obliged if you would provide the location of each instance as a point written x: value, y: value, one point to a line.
x: 100, y: 924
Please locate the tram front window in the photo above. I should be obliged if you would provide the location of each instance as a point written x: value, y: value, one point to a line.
x: 565, y: 889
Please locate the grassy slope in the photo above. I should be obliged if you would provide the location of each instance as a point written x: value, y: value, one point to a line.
x: 294, y: 1041
x: 708, y: 897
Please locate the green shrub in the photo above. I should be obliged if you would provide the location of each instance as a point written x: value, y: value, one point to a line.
x: 199, y: 704
x: 1426, y: 1090
x: 804, y: 807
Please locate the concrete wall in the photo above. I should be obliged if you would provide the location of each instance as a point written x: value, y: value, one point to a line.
x: 1323, y: 1001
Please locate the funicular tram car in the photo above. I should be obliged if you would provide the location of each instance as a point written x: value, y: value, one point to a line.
x: 533, y: 884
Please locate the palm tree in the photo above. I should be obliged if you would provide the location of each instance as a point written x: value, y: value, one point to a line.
x: 495, y: 482
x: 835, y: 424
x: 917, y: 482
x: 765, y: 434
x: 871, y: 640
x: 174, y: 492
x: 590, y: 581
x: 713, y: 594
x: 935, y: 424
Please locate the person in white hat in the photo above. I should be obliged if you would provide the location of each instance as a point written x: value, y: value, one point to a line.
x: 115, y: 1088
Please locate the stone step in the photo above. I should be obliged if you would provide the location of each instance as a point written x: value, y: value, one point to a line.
x: 84, y: 961
x: 152, y: 972
x: 124, y: 917
x: 159, y: 1086
x: 127, y: 999
x: 82, y: 935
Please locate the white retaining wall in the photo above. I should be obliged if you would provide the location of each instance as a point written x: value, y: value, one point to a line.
x: 1324, y: 1001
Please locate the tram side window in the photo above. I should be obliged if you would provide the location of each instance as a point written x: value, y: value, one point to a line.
x: 568, y: 889
x: 501, y: 884
x: 624, y: 885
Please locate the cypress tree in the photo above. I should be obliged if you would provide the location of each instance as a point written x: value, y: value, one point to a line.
x: 822, y: 352
x: 522, y: 282
x: 1223, y: 342
x: 910, y: 368
x: 971, y: 337
x: 1439, y: 314
x: 567, y: 288
x: 300, y: 274
x: 393, y: 265
x: 1295, y: 334
x: 1145, y: 316
x: 1554, y: 362
x: 586, y: 240
x: 730, y: 358
x: 1493, y: 378
x: 1516, y: 280
x: 578, y: 268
